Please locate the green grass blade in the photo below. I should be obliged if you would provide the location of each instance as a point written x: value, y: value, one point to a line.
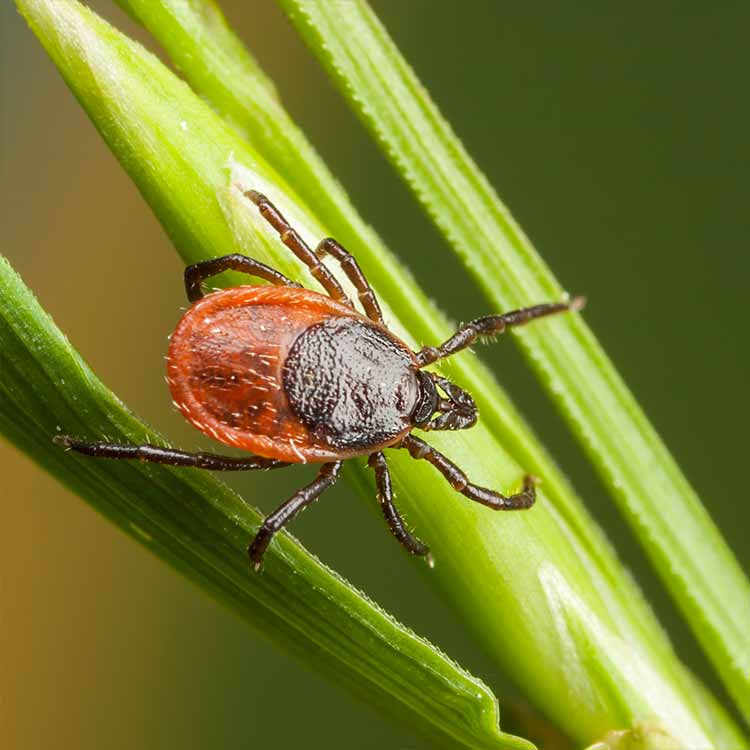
x: 681, y: 539
x: 568, y: 628
x: 215, y: 63
x: 201, y: 527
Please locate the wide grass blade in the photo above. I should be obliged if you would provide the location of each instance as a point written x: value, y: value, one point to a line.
x: 683, y: 543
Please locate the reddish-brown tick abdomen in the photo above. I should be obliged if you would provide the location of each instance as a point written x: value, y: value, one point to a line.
x: 226, y: 369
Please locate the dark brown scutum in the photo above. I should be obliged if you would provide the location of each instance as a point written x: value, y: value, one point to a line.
x: 353, y: 385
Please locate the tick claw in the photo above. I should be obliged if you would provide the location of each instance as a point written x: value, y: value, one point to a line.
x: 577, y: 303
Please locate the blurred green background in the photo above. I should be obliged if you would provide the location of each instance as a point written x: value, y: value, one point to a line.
x: 617, y: 134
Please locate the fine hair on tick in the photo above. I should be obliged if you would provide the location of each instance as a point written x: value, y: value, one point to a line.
x: 294, y: 376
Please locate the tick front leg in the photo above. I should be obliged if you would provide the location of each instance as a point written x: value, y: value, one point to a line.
x: 457, y: 479
x: 326, y: 478
x: 169, y: 456
x: 492, y: 325
x: 393, y: 518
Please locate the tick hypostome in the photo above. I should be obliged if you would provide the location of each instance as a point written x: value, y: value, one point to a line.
x: 294, y: 376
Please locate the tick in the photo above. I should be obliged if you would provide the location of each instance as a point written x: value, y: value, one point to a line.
x: 294, y: 376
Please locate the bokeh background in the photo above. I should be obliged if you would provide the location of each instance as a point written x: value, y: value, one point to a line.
x: 618, y: 135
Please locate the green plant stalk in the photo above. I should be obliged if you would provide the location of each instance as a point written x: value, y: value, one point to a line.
x: 201, y: 527
x: 683, y: 543
x: 177, y: 150
x: 216, y: 64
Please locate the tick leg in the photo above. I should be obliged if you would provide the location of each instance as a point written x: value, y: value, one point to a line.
x: 298, y: 246
x: 492, y: 325
x: 393, y: 518
x: 457, y: 479
x: 348, y: 262
x: 199, y: 272
x: 158, y: 455
x: 327, y: 476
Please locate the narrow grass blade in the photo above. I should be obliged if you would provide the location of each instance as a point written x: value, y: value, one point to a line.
x: 678, y: 534
x: 192, y: 167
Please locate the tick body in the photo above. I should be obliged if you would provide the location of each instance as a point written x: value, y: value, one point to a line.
x: 290, y: 374
x: 294, y: 376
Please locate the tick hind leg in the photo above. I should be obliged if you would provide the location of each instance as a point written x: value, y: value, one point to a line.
x: 492, y: 325
x: 326, y: 478
x: 291, y: 238
x: 169, y: 456
x: 458, y: 480
x: 393, y: 518
x: 196, y: 274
